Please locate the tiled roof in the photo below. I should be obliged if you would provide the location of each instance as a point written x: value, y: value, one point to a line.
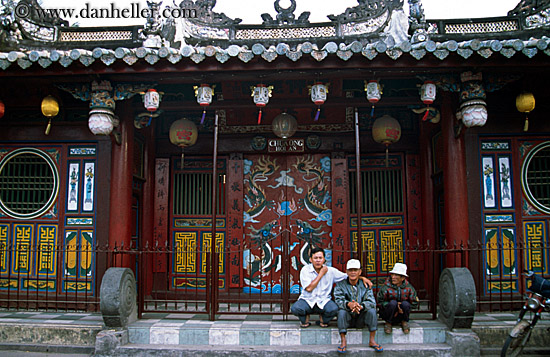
x: 197, y: 54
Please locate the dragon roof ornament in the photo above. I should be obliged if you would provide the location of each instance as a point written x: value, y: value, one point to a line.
x: 370, y: 20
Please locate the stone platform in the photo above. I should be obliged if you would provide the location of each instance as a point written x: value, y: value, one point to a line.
x: 243, y: 335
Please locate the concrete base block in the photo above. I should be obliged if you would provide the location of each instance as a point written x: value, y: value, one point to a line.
x: 107, y: 342
x: 464, y: 343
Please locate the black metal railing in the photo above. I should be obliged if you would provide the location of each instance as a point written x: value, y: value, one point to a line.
x: 68, y: 278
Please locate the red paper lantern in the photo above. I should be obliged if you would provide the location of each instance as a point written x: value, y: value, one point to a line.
x: 183, y: 133
x: 386, y: 130
x: 2, y: 109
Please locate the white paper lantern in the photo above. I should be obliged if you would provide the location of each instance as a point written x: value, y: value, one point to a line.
x: 428, y: 92
x: 151, y: 100
x: 374, y: 92
x: 260, y: 95
x: 319, y: 93
x: 204, y: 95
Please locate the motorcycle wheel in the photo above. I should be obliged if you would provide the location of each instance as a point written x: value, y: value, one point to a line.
x: 514, y: 345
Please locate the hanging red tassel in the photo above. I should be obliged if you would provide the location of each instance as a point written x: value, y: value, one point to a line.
x: 425, y: 117
x: 260, y: 117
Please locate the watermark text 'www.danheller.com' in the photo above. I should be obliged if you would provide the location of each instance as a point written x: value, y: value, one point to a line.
x: 133, y: 11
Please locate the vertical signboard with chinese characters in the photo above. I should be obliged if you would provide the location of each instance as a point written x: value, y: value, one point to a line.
x: 160, y: 237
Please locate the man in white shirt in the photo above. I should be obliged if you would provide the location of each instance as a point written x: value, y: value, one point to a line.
x: 317, y: 280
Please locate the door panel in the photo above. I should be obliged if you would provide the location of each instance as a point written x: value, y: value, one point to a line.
x: 287, y: 210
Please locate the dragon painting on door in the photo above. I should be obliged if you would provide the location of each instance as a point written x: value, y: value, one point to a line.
x: 287, y: 210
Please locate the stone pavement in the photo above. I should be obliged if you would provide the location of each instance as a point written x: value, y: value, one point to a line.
x: 75, y: 333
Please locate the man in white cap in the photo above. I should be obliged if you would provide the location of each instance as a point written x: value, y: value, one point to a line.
x: 357, y: 306
x: 396, y: 298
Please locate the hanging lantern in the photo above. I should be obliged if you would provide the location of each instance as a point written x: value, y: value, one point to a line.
x: 183, y: 133
x: 284, y: 125
x: 473, y: 113
x: 386, y: 130
x: 525, y: 103
x: 100, y: 121
x: 318, y: 96
x: 2, y: 109
x: 374, y: 93
x: 428, y: 92
x: 427, y: 95
x: 261, y: 94
x: 49, y: 108
x: 151, y: 102
x: 204, y: 95
x: 473, y: 108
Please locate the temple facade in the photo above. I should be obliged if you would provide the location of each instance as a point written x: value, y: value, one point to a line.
x: 378, y: 134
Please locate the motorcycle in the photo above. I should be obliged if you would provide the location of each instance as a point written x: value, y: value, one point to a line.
x: 537, y: 301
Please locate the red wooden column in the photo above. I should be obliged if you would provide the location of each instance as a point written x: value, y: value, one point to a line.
x: 454, y: 184
x: 146, y: 243
x: 428, y: 207
x: 120, y: 227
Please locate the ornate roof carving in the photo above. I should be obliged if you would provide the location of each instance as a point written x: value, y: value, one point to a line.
x: 371, y: 28
x: 529, y: 7
x: 286, y: 16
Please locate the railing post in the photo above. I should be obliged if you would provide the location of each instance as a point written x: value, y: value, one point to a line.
x: 214, y: 282
x: 358, y: 199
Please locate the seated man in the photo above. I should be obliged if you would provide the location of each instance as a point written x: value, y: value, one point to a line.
x: 396, y: 297
x: 357, y: 305
x: 317, y: 280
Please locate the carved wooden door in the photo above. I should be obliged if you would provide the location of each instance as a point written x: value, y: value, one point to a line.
x: 287, y: 210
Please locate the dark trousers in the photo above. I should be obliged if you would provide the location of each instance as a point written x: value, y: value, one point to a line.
x: 347, y: 319
x: 387, y: 313
x: 301, y: 309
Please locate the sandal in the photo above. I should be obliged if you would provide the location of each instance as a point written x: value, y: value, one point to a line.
x: 322, y: 324
x: 342, y: 349
x: 377, y: 348
x: 387, y: 328
x: 306, y: 325
x: 406, y: 327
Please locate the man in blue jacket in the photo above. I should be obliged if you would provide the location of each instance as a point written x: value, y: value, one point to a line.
x: 357, y: 306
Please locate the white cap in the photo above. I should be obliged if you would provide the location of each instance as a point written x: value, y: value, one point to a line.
x: 353, y: 264
x: 400, y: 269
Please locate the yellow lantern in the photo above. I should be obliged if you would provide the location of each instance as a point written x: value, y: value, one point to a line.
x: 525, y: 103
x: 183, y: 133
x: 49, y: 108
x: 386, y: 130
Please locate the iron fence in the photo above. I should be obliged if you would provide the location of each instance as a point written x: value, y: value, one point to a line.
x: 68, y: 278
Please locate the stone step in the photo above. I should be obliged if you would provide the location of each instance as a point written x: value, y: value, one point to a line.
x: 18, y: 349
x: 494, y: 335
x: 398, y: 350
x: 44, y: 334
x: 273, y: 333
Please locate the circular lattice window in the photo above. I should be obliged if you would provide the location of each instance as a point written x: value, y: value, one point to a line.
x: 29, y: 183
x: 535, y: 177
